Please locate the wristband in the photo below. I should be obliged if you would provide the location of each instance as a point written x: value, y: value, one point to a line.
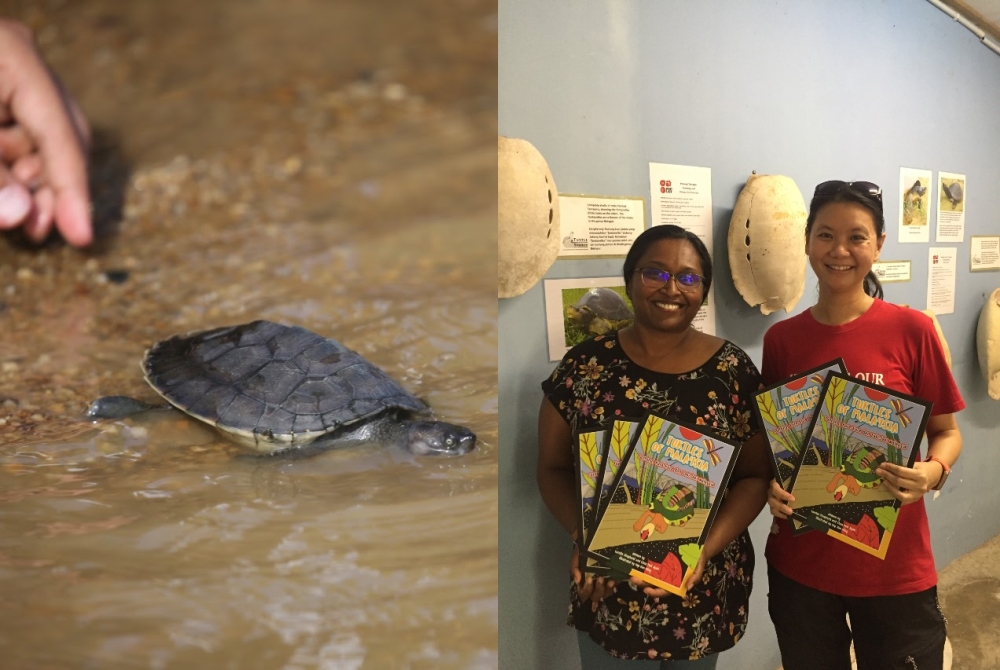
x: 944, y: 473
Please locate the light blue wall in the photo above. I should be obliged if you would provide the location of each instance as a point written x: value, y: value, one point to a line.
x: 815, y: 90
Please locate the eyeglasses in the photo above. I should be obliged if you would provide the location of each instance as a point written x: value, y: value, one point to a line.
x: 834, y: 186
x: 656, y: 278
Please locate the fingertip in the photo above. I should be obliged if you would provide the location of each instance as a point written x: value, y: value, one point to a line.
x: 72, y: 215
x: 38, y: 225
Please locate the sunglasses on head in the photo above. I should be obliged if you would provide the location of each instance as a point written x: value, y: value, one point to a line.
x: 834, y: 186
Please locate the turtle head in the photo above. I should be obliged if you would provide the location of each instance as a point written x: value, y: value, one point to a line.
x: 437, y: 438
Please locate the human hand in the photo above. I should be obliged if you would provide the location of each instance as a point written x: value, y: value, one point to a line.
x: 44, y: 138
x: 778, y: 499
x: 690, y: 579
x: 589, y: 586
x: 695, y: 576
x: 650, y: 591
x: 909, y: 485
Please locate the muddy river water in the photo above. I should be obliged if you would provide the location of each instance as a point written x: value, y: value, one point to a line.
x: 327, y: 164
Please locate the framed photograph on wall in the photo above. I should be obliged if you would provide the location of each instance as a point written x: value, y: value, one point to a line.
x: 580, y: 308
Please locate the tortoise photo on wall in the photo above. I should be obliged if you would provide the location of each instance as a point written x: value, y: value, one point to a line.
x: 273, y: 388
x: 599, y: 311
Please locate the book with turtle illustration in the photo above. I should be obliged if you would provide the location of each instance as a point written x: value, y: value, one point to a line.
x: 857, y: 426
x: 785, y: 411
x: 665, y: 497
x: 620, y: 437
x: 590, y: 457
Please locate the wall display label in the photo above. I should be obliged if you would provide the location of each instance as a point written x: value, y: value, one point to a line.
x: 951, y: 207
x: 595, y: 226
x: 892, y: 271
x: 984, y: 253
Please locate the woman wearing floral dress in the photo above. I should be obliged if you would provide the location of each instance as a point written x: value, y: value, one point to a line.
x: 660, y: 363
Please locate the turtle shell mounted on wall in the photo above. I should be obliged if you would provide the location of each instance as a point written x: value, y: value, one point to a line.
x: 767, y: 239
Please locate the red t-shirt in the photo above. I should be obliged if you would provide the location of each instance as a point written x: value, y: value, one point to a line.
x: 891, y: 346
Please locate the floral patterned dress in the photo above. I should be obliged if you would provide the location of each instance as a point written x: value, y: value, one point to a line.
x: 596, y: 382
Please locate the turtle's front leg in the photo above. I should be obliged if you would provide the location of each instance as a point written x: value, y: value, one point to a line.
x: 835, y: 482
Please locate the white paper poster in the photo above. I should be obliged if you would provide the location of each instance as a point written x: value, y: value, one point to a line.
x: 942, y: 264
x: 915, y: 198
x: 682, y: 195
x: 984, y: 253
x: 594, y: 226
x: 951, y: 207
x: 892, y: 271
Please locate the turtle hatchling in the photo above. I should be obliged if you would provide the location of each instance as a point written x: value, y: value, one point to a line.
x: 273, y: 388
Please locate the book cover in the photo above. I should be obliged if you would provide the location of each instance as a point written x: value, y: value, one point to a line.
x: 590, y: 448
x: 620, y: 437
x: 856, y: 427
x: 785, y: 410
x: 666, y: 496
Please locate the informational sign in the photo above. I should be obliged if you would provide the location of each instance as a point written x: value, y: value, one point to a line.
x: 892, y: 271
x: 682, y: 195
x: 951, y: 207
x: 984, y: 253
x: 941, y: 265
x: 599, y: 226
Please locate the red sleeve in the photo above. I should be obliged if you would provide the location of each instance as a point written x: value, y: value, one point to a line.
x: 769, y: 372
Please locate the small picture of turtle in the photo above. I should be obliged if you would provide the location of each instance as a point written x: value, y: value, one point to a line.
x: 953, y: 194
x: 594, y: 311
x: 276, y: 388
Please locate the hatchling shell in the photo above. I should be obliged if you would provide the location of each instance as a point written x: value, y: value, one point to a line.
x: 264, y: 382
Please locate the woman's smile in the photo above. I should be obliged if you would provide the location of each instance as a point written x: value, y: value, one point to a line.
x: 669, y: 306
